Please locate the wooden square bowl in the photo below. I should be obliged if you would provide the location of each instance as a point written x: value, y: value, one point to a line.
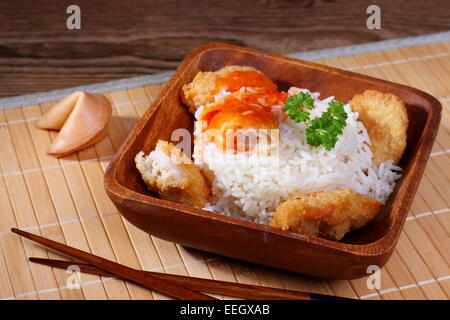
x: 196, y: 228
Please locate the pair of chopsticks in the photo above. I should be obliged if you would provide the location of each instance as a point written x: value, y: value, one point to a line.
x: 180, y: 287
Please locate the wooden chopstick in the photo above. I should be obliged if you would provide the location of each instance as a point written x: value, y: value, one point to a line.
x: 145, y: 279
x: 212, y: 286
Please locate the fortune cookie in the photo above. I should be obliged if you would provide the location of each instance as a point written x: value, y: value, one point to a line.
x: 82, y: 119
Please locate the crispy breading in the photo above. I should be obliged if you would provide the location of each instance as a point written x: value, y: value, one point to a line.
x: 386, y: 120
x: 326, y: 214
x: 201, y: 90
x: 170, y: 174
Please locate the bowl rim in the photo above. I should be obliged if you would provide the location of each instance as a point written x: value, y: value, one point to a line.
x: 400, y: 206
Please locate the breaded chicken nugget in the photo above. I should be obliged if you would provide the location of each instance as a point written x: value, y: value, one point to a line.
x: 170, y: 174
x: 386, y: 120
x: 206, y: 85
x: 326, y: 214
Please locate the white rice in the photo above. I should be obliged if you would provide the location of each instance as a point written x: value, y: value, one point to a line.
x: 251, y: 185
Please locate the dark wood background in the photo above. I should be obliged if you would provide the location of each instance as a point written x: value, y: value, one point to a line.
x: 127, y: 38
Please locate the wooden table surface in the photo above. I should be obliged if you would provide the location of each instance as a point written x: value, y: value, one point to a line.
x: 121, y: 39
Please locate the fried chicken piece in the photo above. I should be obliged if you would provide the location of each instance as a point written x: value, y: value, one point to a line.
x: 170, y: 174
x: 326, y: 214
x: 386, y: 120
x: 206, y: 85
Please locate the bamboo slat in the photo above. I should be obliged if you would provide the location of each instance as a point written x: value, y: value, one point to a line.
x: 64, y: 199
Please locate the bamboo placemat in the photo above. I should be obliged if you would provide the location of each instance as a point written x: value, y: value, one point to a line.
x: 65, y: 200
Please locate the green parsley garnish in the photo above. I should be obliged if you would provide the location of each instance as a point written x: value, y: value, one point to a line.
x: 295, y: 106
x: 323, y: 130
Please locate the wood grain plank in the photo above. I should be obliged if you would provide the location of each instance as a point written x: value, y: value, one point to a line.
x: 153, y: 36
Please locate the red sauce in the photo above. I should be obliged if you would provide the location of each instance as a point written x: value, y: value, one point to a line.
x: 243, y: 117
x: 235, y: 80
x: 267, y: 98
x: 226, y: 118
x: 242, y: 110
x: 263, y: 99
